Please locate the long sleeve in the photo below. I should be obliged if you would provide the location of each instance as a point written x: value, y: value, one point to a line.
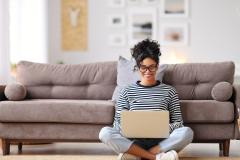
x: 174, y: 111
x: 122, y: 104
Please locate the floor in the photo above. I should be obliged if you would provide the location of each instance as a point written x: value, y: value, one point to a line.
x: 192, y: 150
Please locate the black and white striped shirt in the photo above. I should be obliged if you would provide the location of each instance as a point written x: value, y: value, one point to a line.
x: 157, y: 97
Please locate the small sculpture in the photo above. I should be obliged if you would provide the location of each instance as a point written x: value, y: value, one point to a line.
x: 73, y: 15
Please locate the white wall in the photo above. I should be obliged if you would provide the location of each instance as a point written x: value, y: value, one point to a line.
x: 213, y: 25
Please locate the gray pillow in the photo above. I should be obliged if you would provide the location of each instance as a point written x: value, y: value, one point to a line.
x: 222, y: 91
x: 15, y: 92
x: 126, y: 75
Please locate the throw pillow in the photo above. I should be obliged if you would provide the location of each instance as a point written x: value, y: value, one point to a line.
x: 126, y: 75
x: 222, y: 91
x: 15, y: 92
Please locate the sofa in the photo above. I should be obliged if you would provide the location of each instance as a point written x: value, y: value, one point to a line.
x: 72, y: 102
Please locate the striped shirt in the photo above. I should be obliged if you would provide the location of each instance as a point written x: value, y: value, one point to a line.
x: 158, y: 97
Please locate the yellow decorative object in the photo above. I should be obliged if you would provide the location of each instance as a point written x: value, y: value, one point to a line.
x: 74, y: 25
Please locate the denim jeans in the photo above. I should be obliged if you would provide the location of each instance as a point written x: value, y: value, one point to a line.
x: 177, y: 140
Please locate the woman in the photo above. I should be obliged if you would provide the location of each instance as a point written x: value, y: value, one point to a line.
x: 154, y: 95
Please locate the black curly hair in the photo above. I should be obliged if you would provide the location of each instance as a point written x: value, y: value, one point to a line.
x: 146, y: 49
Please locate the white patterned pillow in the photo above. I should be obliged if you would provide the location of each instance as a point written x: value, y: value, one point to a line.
x: 126, y: 75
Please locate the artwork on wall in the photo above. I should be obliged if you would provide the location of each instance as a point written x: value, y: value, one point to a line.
x: 116, y: 3
x: 174, y: 34
x: 174, y: 8
x: 116, y: 40
x: 134, y: 2
x: 150, y: 2
x: 141, y: 24
x: 116, y: 20
x: 74, y: 25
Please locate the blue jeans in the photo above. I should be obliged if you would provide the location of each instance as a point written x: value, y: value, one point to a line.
x: 177, y: 140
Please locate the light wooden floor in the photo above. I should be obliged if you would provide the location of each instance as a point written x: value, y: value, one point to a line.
x: 42, y: 157
x: 98, y: 149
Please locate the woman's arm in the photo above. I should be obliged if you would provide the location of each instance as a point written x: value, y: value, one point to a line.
x: 174, y: 111
x: 122, y: 104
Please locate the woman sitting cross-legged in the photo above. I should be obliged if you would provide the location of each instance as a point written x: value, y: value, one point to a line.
x: 156, y: 96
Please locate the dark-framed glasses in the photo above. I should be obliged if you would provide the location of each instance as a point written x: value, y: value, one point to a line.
x: 151, y: 68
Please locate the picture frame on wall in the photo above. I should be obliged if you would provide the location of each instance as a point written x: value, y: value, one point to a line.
x: 150, y: 2
x: 134, y: 2
x: 175, y: 34
x: 116, y: 3
x: 141, y: 24
x: 175, y: 8
x: 74, y: 24
x: 116, y: 40
x: 116, y: 20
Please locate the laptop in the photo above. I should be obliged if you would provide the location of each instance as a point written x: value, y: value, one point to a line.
x: 145, y: 124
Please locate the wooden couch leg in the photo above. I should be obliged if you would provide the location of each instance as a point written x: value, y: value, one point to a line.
x: 5, y: 146
x: 224, y: 148
x: 20, y: 147
x: 221, y: 149
x: 226, y: 145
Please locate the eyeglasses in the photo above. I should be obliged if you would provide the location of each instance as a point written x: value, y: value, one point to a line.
x: 151, y: 68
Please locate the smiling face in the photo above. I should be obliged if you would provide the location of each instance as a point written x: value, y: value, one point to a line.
x: 148, y: 69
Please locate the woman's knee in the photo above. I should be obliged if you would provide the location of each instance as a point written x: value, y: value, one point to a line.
x: 187, y: 134
x: 105, y: 134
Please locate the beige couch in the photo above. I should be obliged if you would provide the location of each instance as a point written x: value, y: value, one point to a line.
x: 71, y: 103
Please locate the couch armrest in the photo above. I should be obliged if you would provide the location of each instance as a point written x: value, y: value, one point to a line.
x: 236, y: 101
x: 2, y: 96
x: 236, y: 96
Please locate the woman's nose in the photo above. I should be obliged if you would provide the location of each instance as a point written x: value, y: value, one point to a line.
x: 148, y: 71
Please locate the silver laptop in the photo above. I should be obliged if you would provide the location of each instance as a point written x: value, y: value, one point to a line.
x: 145, y: 124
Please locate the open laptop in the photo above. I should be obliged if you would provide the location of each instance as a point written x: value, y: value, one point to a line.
x: 145, y: 124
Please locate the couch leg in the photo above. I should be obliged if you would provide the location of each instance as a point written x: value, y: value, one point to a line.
x: 226, y: 145
x: 20, y: 147
x: 221, y: 149
x: 224, y: 148
x: 5, y: 146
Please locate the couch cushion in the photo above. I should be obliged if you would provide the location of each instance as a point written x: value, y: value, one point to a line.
x: 68, y: 81
x: 56, y: 110
x: 222, y: 91
x: 207, y: 111
x: 51, y: 131
x: 15, y: 91
x: 212, y: 132
x: 196, y: 80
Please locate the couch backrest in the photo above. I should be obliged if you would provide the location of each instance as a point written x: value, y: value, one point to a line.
x: 196, y: 80
x: 98, y: 80
x: 68, y: 81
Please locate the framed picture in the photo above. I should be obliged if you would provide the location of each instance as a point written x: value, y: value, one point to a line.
x: 74, y: 24
x: 116, y: 3
x: 174, y: 8
x: 150, y: 2
x: 174, y: 34
x: 117, y: 40
x: 141, y: 24
x: 134, y: 2
x: 116, y: 20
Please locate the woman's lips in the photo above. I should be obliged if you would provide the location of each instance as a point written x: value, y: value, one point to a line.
x: 148, y: 75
